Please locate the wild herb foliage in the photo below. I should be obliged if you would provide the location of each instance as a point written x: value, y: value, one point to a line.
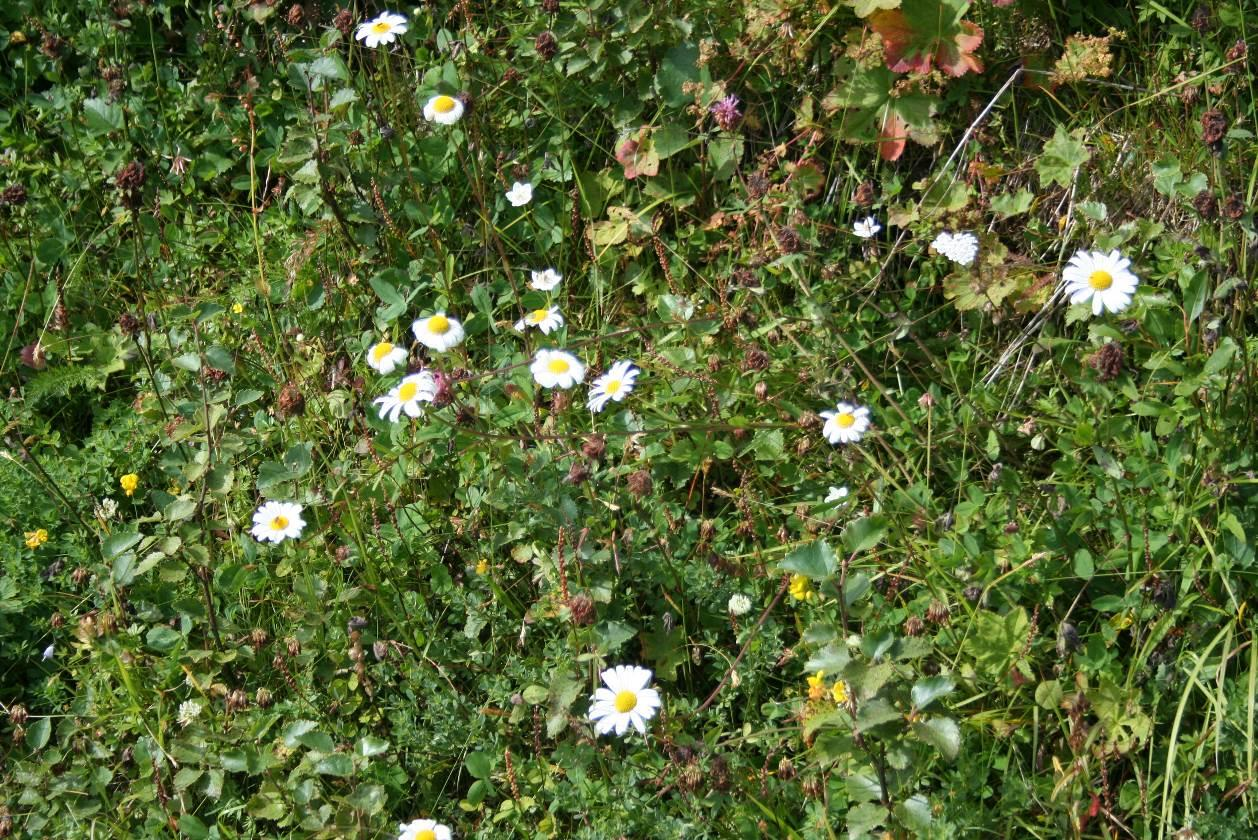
x: 914, y: 537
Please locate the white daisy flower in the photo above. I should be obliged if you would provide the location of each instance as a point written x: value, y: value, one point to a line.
x: 545, y: 281
x: 407, y: 396
x: 386, y: 356
x: 616, y: 384
x: 739, y: 604
x: 846, y: 424
x: 383, y: 29
x: 546, y: 320
x: 442, y: 109
x: 423, y: 830
x: 1104, y: 279
x: 520, y: 194
x: 438, y: 332
x: 557, y: 369
x: 277, y: 521
x: 961, y: 248
x: 189, y: 710
x: 866, y: 228
x: 625, y: 700
x: 837, y: 494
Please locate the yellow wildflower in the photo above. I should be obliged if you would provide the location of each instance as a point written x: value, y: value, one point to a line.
x: 482, y: 566
x: 817, y: 686
x: 237, y: 308
x: 840, y: 692
x: 801, y: 588
x: 34, y: 539
x: 129, y: 482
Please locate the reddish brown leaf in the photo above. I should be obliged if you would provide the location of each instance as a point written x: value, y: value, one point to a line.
x: 893, y: 137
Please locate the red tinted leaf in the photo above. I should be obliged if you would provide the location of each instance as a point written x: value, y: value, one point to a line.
x: 956, y: 57
x: 923, y: 34
x: 898, y: 42
x: 893, y: 137
x: 637, y: 155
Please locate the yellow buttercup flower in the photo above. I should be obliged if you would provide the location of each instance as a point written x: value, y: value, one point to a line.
x: 840, y: 693
x: 482, y: 566
x: 36, y: 538
x: 817, y: 686
x: 129, y: 482
x: 237, y: 308
x: 801, y: 588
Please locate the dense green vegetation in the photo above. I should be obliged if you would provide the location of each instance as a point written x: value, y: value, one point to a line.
x: 1016, y: 604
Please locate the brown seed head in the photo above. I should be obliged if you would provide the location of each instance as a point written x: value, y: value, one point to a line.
x: 640, y: 483
x: 581, y: 606
x: 546, y: 45
x: 594, y: 447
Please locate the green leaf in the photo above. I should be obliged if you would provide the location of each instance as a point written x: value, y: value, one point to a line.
x: 1012, y: 204
x: 38, y: 733
x: 192, y: 828
x: 370, y: 745
x: 875, y: 713
x: 670, y: 139
x: 102, y: 116
x: 815, y: 561
x: 1062, y: 156
x: 864, y: 8
x: 337, y: 764
x: 479, y: 764
x: 162, y: 638
x: 864, y: 533
x: 385, y: 289
x: 942, y: 733
x: 929, y: 689
x: 187, y: 361
x: 1084, y: 567
x: 117, y: 543
x: 914, y: 812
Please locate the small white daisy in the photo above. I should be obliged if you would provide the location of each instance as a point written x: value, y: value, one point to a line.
x: 442, y: 109
x: 961, y: 248
x: 189, y: 710
x: 1104, y: 279
x: 866, y: 228
x: 846, y: 424
x: 557, y: 369
x: 386, y: 356
x: 438, y: 332
x: 545, y: 281
x: 277, y: 521
x: 546, y: 320
x: 837, y: 494
x: 625, y: 700
x: 383, y: 29
x: 616, y: 384
x: 407, y: 396
x: 423, y: 830
x: 739, y: 604
x: 520, y: 194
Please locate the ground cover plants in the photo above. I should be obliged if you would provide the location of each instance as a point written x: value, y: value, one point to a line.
x: 626, y: 419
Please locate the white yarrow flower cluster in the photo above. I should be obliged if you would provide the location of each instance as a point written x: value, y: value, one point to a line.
x: 961, y: 248
x: 616, y: 384
x: 277, y: 521
x: 423, y: 830
x: 1104, y: 280
x: 847, y: 423
x: 866, y: 228
x: 624, y: 701
x: 409, y: 396
x: 383, y: 29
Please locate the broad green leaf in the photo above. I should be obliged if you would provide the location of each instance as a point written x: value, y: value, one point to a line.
x: 1062, y: 156
x: 864, y: 533
x: 929, y: 689
x: 38, y: 733
x: 337, y: 764
x: 815, y: 561
x: 941, y: 732
x: 479, y: 764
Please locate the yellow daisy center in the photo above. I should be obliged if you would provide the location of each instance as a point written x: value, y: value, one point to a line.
x: 383, y: 349
x: 406, y: 392
x: 612, y: 387
x: 443, y: 104
x: 1100, y: 280
x: 279, y: 523
x: 558, y: 365
x: 537, y: 316
x: 845, y: 419
x: 439, y: 324
x: 426, y: 834
x: 626, y: 701
x: 381, y: 27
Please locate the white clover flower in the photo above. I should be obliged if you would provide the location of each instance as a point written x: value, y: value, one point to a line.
x: 739, y: 604
x: 423, y: 830
x: 189, y: 710
x: 1104, y: 279
x: 866, y: 228
x: 520, y: 194
x: 545, y: 281
x: 106, y: 509
x: 546, y: 320
x: 407, y: 396
x: 444, y: 110
x: 961, y: 247
x: 383, y: 29
x: 616, y: 384
x: 846, y: 424
x: 386, y: 356
x: 625, y: 700
x: 438, y: 332
x: 557, y: 369
x: 836, y: 494
x: 277, y: 521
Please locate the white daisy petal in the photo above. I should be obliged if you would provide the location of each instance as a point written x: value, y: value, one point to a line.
x: 557, y: 369
x: 1105, y: 280
x: 520, y: 194
x: 438, y: 332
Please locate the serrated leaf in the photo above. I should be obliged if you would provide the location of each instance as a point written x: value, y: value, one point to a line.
x: 1061, y: 158
x: 942, y: 733
x: 479, y: 764
x: 929, y: 689
x: 814, y: 561
x: 915, y: 813
x: 865, y: 533
x: 337, y: 764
